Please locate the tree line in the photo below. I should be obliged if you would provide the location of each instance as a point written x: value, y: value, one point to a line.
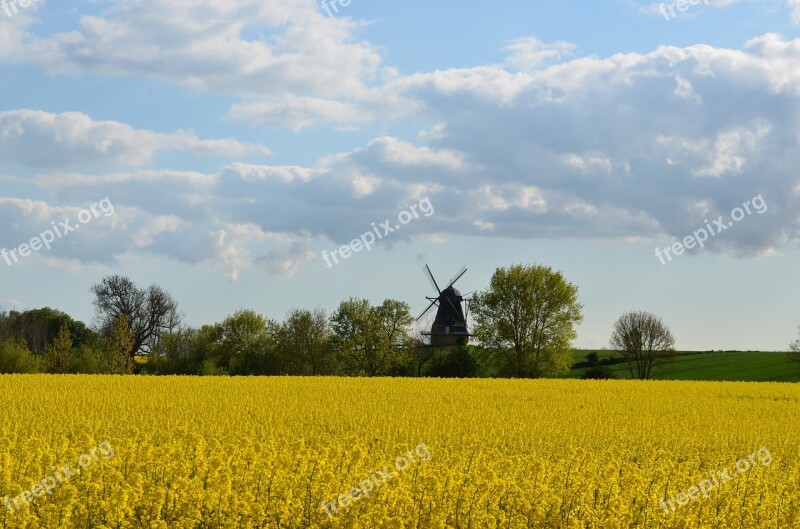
x: 524, y: 325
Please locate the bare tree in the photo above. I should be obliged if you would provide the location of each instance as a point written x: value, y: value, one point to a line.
x: 645, y: 343
x: 794, y: 348
x: 150, y: 312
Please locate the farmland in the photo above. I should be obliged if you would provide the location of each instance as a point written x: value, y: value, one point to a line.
x: 732, y: 366
x: 343, y: 452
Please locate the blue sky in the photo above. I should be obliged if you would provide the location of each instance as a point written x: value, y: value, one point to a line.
x: 238, y: 141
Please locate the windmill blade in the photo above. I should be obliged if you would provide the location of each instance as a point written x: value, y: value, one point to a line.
x: 424, y: 312
x: 458, y: 276
x: 432, y: 280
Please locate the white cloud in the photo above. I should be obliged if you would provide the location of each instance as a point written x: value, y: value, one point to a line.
x: 483, y: 226
x: 41, y: 139
x: 230, y: 256
x: 591, y: 148
x: 286, y: 174
x: 397, y: 152
x: 725, y: 154
x: 590, y: 163
x: 286, y: 261
x: 297, y: 113
x: 685, y: 90
x: 531, y: 198
x: 247, y: 47
x: 529, y: 52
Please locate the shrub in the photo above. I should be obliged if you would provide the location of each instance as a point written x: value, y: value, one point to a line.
x: 454, y: 362
x: 599, y: 373
x: 210, y: 369
x: 87, y: 360
x: 16, y: 358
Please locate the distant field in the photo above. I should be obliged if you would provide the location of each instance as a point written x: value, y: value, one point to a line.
x: 749, y: 366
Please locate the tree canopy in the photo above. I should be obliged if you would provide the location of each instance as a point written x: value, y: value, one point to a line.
x: 645, y: 343
x: 526, y: 319
x: 150, y: 312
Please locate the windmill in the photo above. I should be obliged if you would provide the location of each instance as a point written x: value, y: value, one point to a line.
x: 450, y: 326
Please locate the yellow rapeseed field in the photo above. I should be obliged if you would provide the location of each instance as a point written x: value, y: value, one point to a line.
x: 397, y: 453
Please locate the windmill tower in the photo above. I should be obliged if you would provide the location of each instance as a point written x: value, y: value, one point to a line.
x: 450, y: 326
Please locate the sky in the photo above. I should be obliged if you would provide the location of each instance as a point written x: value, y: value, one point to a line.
x: 226, y: 150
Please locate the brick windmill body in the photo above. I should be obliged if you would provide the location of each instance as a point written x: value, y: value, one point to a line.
x: 450, y: 325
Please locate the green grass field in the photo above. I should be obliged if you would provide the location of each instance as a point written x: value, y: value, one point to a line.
x: 749, y: 366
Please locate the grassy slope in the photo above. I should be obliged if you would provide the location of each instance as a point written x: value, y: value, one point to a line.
x: 734, y: 366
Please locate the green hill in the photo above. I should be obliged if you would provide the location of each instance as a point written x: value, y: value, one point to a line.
x: 748, y: 366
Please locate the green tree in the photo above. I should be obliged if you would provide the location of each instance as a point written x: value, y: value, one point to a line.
x: 87, y: 360
x: 359, y: 338
x: 58, y: 358
x: 454, y: 362
x: 187, y: 351
x: 205, y: 349
x: 645, y: 343
x: 396, y: 320
x: 39, y: 327
x: 526, y: 320
x: 246, y: 344
x: 117, y: 358
x: 176, y: 353
x: 5, y: 327
x: 305, y: 343
x: 16, y: 358
x: 373, y: 341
